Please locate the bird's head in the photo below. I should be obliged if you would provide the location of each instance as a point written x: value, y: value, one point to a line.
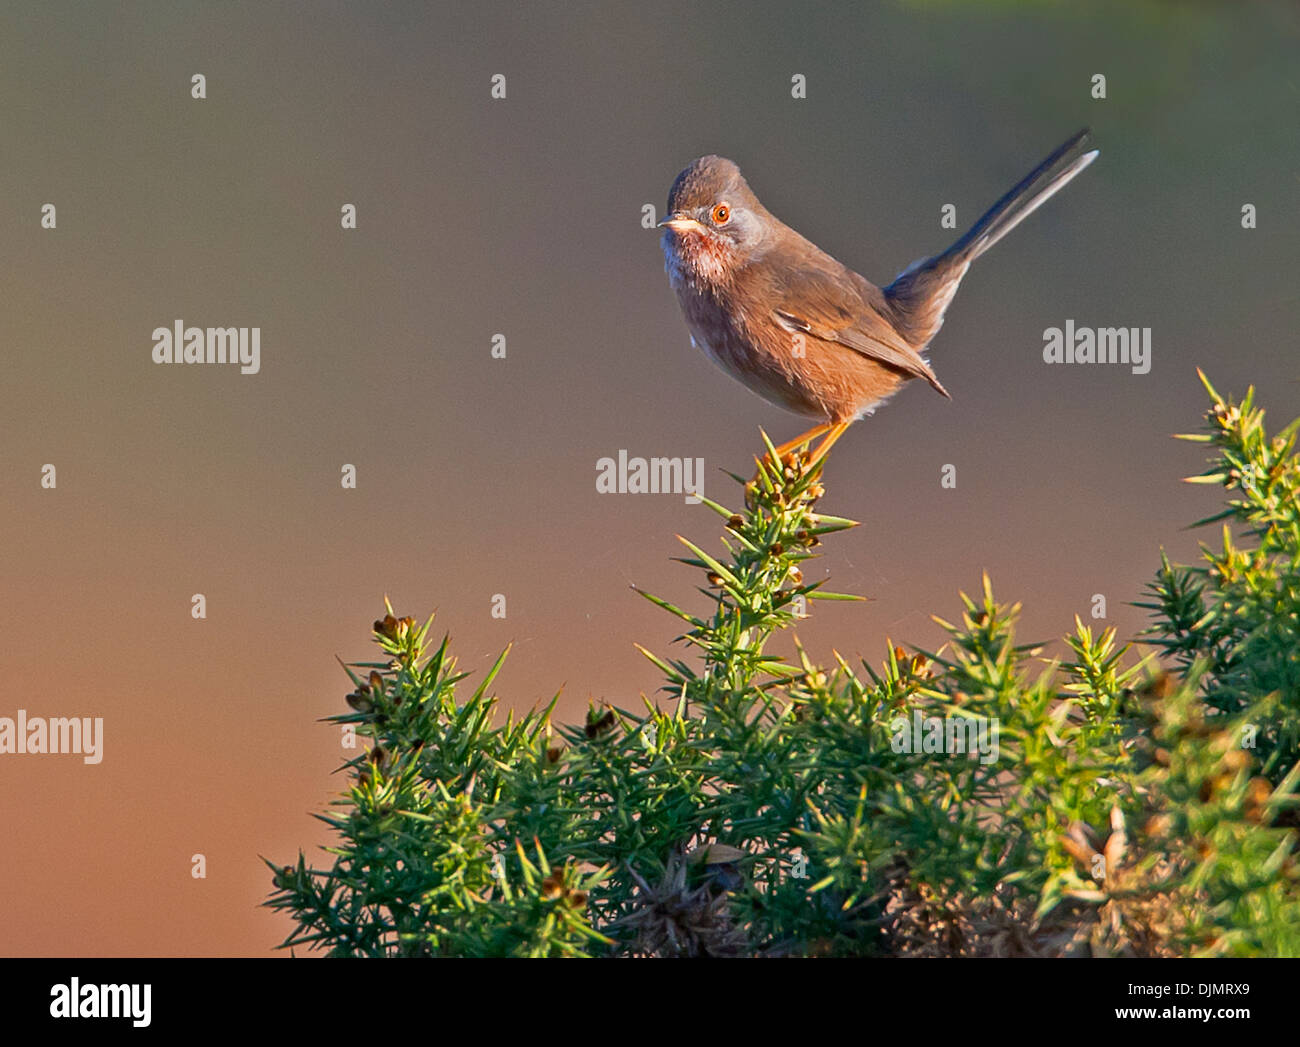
x: 714, y: 223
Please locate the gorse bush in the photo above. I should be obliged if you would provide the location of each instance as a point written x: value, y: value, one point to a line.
x: 976, y: 800
x: 1240, y: 614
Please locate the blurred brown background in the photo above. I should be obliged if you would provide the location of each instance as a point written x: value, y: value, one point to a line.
x: 477, y: 476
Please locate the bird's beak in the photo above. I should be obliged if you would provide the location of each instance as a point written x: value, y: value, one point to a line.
x: 679, y: 222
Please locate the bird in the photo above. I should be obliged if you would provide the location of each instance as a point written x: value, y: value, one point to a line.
x: 799, y: 328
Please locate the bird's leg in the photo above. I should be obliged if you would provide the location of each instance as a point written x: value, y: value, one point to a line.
x: 798, y: 441
x: 837, y: 430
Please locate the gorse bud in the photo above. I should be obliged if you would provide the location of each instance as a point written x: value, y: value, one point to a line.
x: 599, y: 724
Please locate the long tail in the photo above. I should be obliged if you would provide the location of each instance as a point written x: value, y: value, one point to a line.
x: 920, y: 294
x: 1034, y: 190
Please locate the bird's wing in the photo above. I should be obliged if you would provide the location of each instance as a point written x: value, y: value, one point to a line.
x: 837, y: 307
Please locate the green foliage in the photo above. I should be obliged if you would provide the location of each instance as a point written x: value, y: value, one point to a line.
x: 976, y: 800
x: 1240, y: 613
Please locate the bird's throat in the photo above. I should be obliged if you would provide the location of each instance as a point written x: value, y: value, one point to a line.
x: 704, y: 260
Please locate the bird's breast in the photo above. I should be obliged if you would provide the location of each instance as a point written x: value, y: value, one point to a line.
x: 748, y: 346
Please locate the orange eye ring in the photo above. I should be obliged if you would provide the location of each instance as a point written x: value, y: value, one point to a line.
x: 721, y: 214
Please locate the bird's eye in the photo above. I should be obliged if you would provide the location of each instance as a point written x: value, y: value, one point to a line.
x: 721, y: 214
